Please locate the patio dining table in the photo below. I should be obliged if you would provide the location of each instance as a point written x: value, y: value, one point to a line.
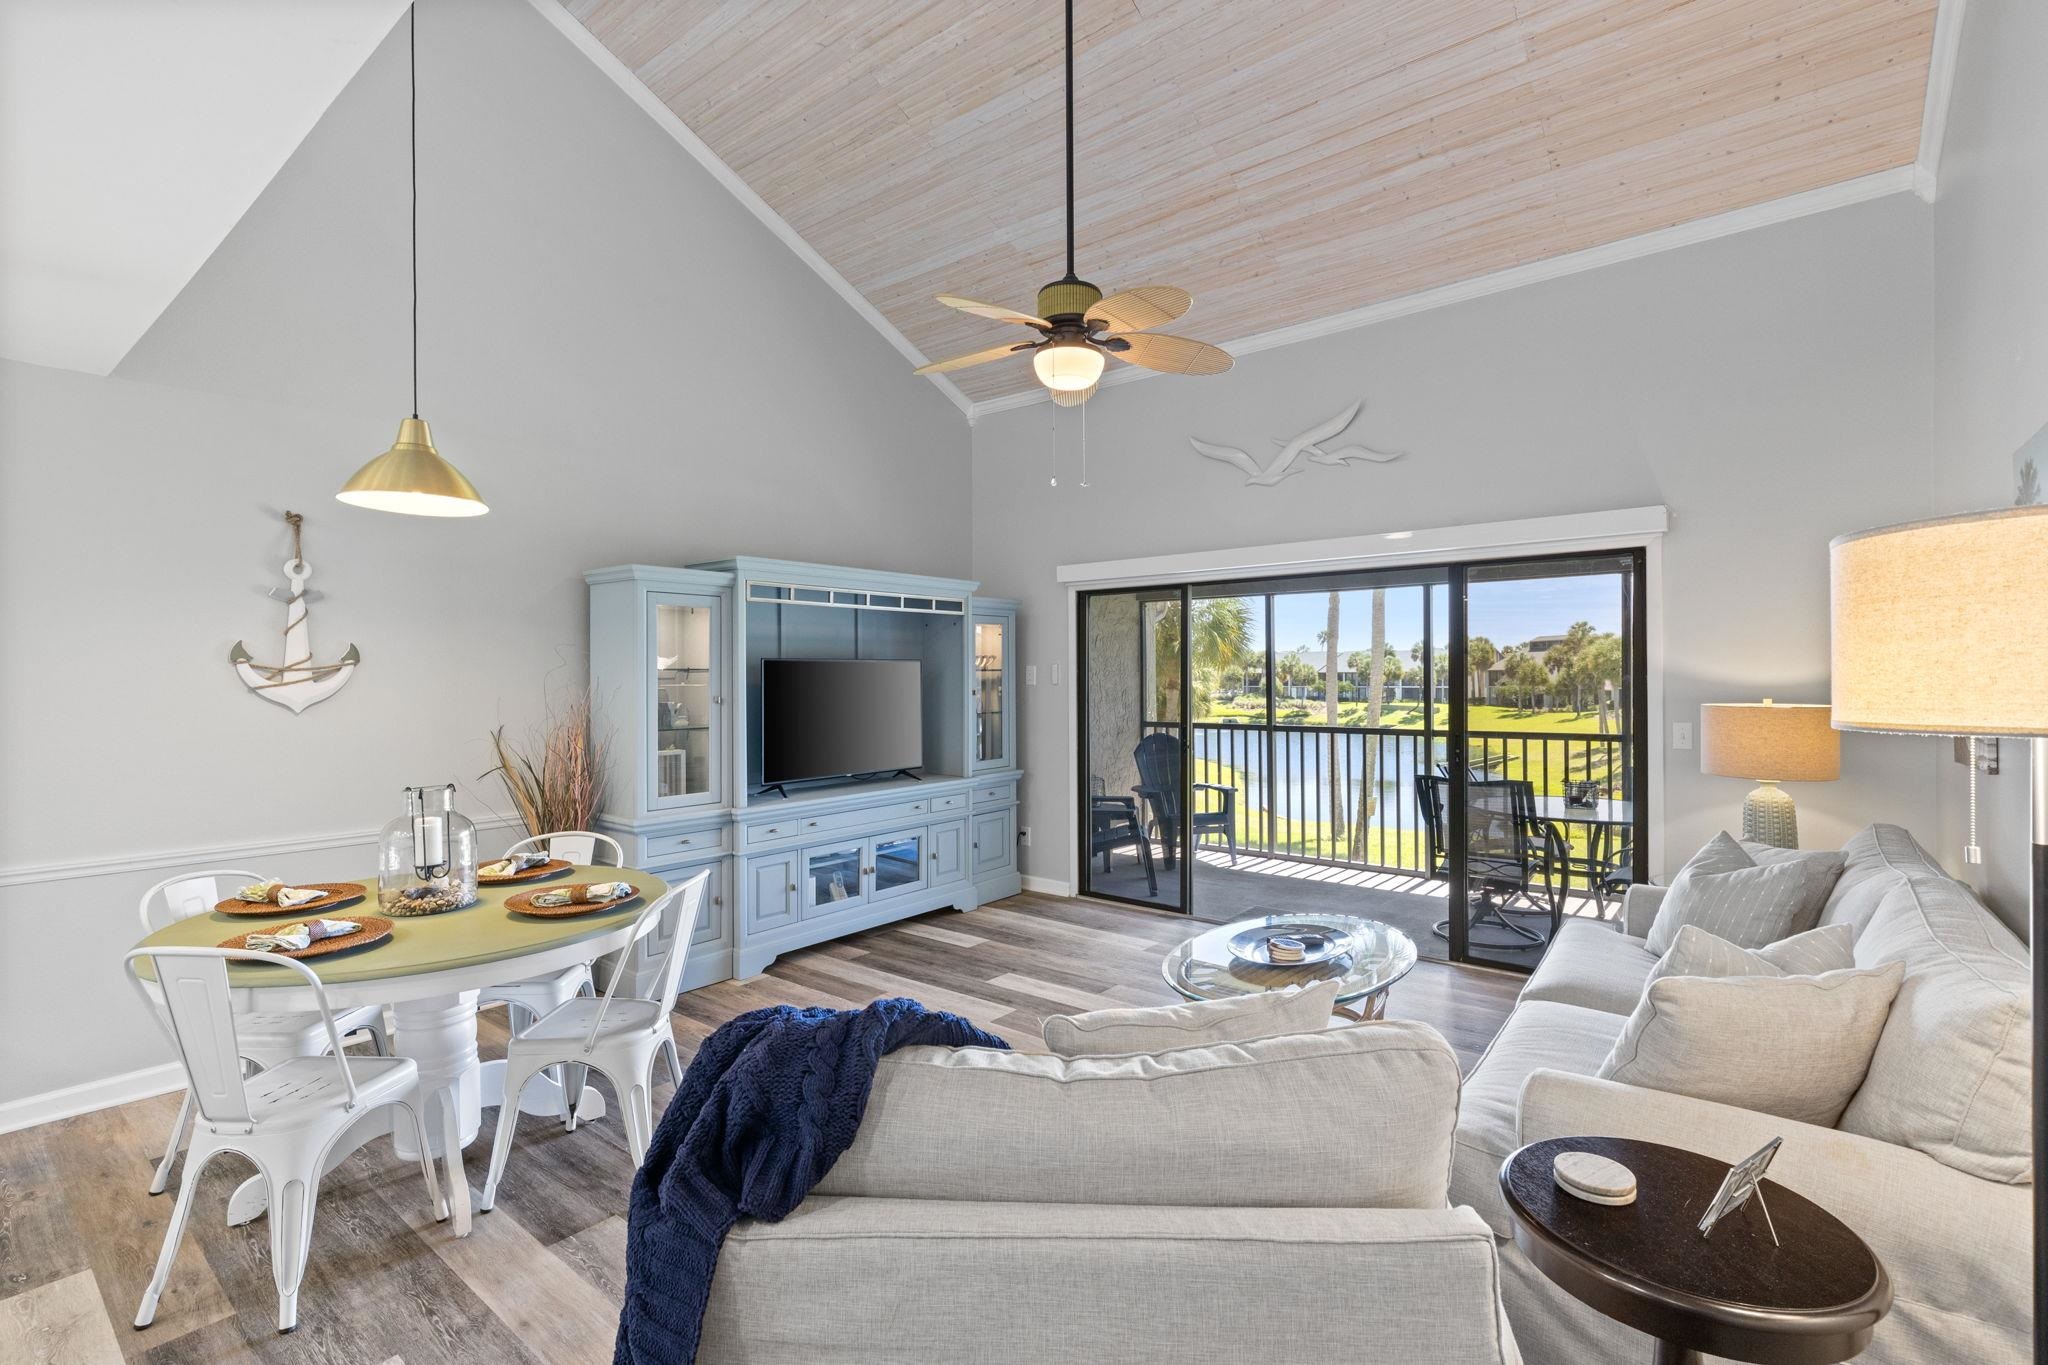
x: 1610, y: 819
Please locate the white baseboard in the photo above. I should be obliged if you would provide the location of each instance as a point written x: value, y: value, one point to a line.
x: 1047, y: 886
x: 84, y: 1098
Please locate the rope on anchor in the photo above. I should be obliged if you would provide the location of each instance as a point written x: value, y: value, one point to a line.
x: 296, y: 613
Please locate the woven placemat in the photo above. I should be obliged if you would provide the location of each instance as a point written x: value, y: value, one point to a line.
x: 522, y: 904
x: 338, y: 893
x: 553, y: 867
x: 373, y: 930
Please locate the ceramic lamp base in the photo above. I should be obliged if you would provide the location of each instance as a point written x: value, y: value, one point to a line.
x: 1768, y: 817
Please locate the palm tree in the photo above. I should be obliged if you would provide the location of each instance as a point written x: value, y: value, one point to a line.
x: 1220, y: 642
x: 1375, y: 694
x: 1480, y: 655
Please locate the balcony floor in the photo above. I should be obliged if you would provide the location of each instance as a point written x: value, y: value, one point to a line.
x: 1263, y: 884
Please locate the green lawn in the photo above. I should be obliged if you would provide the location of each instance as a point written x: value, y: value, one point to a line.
x: 1407, y: 715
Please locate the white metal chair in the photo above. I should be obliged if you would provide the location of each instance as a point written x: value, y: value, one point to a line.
x: 527, y: 1000
x: 266, y: 1039
x: 285, y: 1119
x: 618, y: 1038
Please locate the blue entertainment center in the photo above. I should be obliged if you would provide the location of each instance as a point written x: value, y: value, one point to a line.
x: 675, y: 667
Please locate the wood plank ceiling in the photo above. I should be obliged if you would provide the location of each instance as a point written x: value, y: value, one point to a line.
x: 1284, y: 160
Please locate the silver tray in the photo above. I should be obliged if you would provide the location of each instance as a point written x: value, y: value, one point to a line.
x: 1320, y: 943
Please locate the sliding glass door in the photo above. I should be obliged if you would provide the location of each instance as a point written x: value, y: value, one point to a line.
x: 1552, y: 660
x: 1451, y: 749
x: 1134, y: 679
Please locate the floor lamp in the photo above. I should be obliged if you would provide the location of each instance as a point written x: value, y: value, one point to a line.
x: 1966, y: 591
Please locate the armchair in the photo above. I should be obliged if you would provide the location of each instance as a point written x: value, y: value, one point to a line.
x: 1113, y: 824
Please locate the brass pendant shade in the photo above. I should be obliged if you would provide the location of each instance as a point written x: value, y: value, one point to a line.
x: 411, y: 477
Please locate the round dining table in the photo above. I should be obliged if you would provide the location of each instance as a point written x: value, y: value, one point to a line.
x: 429, y: 972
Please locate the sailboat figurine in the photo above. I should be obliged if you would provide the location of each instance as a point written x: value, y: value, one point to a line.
x: 298, y: 682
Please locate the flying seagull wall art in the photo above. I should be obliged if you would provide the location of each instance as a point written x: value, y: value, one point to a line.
x: 1290, y: 459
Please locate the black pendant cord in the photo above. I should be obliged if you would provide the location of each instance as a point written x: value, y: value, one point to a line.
x: 1070, y: 139
x: 412, y: 43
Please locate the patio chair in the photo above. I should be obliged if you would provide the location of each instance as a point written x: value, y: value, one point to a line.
x: 1510, y: 855
x: 1113, y: 824
x: 1159, y: 782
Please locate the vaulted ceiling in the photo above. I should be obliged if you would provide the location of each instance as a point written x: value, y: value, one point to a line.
x: 1287, y: 160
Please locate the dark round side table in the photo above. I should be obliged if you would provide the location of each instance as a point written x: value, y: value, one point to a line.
x: 1812, y: 1298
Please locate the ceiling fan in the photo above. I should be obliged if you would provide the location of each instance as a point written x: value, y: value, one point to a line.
x: 1079, y: 327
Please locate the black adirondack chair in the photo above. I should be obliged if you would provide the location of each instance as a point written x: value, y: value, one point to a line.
x: 1113, y: 824
x: 1159, y: 777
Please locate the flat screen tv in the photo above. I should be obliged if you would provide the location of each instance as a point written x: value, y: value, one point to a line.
x: 823, y: 718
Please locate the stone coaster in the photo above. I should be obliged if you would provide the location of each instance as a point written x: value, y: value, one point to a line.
x: 1594, y: 1178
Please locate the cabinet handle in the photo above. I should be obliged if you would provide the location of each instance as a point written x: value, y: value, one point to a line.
x: 718, y: 900
x: 813, y: 824
x: 792, y: 886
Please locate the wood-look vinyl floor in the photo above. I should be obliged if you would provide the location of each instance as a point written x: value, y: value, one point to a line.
x: 540, y: 1279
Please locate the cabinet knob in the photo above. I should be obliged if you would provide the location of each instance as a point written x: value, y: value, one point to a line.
x: 792, y: 886
x: 718, y: 900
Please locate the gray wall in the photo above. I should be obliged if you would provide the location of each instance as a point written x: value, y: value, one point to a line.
x: 628, y: 365
x: 1770, y: 388
x: 1990, y: 377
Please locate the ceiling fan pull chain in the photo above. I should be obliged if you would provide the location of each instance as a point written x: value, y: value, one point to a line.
x: 1052, y: 443
x: 1084, y: 445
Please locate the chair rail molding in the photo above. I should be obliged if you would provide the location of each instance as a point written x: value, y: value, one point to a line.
x: 32, y: 874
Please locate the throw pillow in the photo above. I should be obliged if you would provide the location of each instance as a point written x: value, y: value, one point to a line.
x: 1730, y: 895
x: 1794, y: 1046
x: 1163, y: 1028
x: 1695, y: 952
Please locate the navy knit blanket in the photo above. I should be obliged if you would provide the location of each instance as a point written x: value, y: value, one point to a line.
x: 770, y: 1101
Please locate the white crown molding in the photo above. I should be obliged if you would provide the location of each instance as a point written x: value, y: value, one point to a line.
x: 1603, y: 530
x: 1772, y: 211
x: 32, y: 874
x: 32, y: 1110
x: 636, y: 89
x: 1941, y: 87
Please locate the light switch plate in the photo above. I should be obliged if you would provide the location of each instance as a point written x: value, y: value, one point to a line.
x: 1681, y: 734
x: 1031, y: 675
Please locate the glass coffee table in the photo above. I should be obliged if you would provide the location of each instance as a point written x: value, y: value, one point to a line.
x: 1365, y: 956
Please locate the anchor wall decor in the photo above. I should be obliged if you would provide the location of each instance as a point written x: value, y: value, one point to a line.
x: 298, y: 682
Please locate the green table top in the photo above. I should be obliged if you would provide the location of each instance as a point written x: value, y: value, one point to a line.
x: 476, y: 934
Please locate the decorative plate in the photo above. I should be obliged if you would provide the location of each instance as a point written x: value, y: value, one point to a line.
x: 553, y: 867
x: 373, y: 930
x: 522, y: 904
x: 1319, y: 943
x: 338, y: 893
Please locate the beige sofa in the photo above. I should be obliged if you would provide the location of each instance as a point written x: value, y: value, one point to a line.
x: 1949, y: 1214
x: 1277, y: 1199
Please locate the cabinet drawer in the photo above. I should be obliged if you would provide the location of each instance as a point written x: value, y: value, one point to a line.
x: 767, y: 834
x: 696, y: 841
x: 953, y: 801
x: 993, y: 792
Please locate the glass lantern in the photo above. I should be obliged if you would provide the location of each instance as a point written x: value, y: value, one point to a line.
x: 426, y: 860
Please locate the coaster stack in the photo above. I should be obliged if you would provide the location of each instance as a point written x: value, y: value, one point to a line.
x: 1594, y: 1178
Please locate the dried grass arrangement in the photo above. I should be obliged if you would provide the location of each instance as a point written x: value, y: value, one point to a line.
x: 556, y: 778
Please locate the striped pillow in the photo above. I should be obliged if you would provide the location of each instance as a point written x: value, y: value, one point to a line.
x: 1727, y: 893
x: 1695, y: 952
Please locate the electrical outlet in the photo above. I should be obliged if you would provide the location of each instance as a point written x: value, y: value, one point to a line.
x: 1024, y: 836
x: 1031, y: 675
x: 1681, y: 734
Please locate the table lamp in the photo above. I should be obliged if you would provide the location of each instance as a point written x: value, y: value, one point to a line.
x: 1769, y: 744
x: 1937, y: 632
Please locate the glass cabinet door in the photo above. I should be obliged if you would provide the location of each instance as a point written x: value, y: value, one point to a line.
x: 834, y: 878
x: 686, y: 692
x: 898, y: 862
x: 992, y: 719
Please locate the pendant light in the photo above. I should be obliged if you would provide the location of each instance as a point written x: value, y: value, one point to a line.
x: 411, y: 477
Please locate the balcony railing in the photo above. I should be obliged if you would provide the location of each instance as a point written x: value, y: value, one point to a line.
x: 1302, y: 789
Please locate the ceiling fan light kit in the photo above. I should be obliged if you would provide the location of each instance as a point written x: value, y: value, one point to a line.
x: 411, y: 477
x: 1080, y: 329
